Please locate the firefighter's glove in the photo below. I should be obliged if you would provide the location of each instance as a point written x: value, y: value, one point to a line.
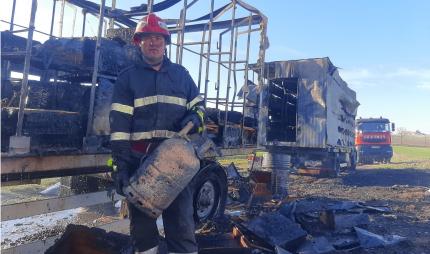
x: 197, y: 118
x: 122, y: 179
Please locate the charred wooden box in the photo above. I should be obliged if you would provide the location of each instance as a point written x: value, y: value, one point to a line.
x: 50, y: 130
x: 47, y: 95
x: 77, y: 55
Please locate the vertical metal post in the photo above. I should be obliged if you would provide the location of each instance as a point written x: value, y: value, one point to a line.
x: 24, y: 86
x: 105, y: 22
x: 5, y: 71
x: 208, y: 52
x: 217, y: 87
x: 219, y: 46
x: 95, y: 71
x: 181, y: 34
x: 262, y: 114
x: 12, y: 17
x: 202, y: 46
x: 84, y: 21
x: 246, y: 90
x: 74, y: 21
x: 236, y: 36
x: 52, y: 18
x: 229, y: 66
x: 60, y: 27
x: 150, y: 4
x: 112, y: 20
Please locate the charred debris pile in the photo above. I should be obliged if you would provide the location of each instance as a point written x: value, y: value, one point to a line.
x: 255, y: 222
x: 262, y: 224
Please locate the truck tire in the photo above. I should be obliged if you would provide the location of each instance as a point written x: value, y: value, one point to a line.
x: 210, y: 193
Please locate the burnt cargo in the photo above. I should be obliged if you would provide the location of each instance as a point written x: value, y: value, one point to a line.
x: 14, y: 43
x: 47, y: 95
x: 77, y: 55
x: 307, y: 104
x: 50, y: 130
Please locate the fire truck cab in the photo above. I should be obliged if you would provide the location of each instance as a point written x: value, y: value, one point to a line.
x: 373, y: 140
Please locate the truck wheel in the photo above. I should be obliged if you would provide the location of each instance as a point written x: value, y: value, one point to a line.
x: 210, y: 193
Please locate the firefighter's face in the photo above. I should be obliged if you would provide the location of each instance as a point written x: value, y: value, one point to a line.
x: 152, y: 47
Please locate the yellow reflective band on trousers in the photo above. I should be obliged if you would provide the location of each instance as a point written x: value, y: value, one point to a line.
x: 160, y: 99
x: 119, y: 136
x: 152, y: 134
x: 194, y: 102
x: 122, y: 108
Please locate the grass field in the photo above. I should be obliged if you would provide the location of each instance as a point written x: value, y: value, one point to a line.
x: 240, y: 161
x: 407, y: 157
x: 404, y: 157
x: 411, y: 153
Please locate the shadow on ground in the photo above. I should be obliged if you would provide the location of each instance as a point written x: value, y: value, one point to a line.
x: 387, y: 177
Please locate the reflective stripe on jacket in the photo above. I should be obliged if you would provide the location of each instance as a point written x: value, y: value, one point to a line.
x: 147, y: 104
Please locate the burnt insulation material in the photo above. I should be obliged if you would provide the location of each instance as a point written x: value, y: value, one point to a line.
x: 234, y: 117
x: 13, y: 43
x: 48, y: 129
x: 77, y: 54
x: 123, y: 34
x: 47, y: 95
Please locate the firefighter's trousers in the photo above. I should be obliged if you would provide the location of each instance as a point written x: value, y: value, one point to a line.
x: 178, y: 223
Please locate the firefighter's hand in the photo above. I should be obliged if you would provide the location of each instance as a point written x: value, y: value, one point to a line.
x: 195, y: 119
x: 122, y: 179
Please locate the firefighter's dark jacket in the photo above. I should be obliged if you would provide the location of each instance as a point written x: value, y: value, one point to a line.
x: 147, y: 105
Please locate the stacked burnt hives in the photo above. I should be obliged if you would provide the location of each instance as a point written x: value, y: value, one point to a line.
x: 57, y: 105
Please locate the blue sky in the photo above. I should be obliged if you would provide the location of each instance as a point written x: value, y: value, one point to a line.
x: 381, y: 47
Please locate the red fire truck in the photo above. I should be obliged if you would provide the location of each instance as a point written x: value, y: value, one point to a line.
x: 373, y: 140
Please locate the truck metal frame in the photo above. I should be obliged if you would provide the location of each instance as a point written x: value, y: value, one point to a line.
x: 223, y: 34
x: 222, y: 24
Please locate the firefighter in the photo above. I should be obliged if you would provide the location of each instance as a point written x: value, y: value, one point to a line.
x: 152, y: 101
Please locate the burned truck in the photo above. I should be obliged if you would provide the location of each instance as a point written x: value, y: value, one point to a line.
x: 308, y: 112
x: 64, y: 126
x: 302, y: 108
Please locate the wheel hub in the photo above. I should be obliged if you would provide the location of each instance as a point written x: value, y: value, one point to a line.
x: 206, y: 199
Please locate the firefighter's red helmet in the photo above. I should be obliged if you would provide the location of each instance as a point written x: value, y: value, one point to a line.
x: 151, y: 24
